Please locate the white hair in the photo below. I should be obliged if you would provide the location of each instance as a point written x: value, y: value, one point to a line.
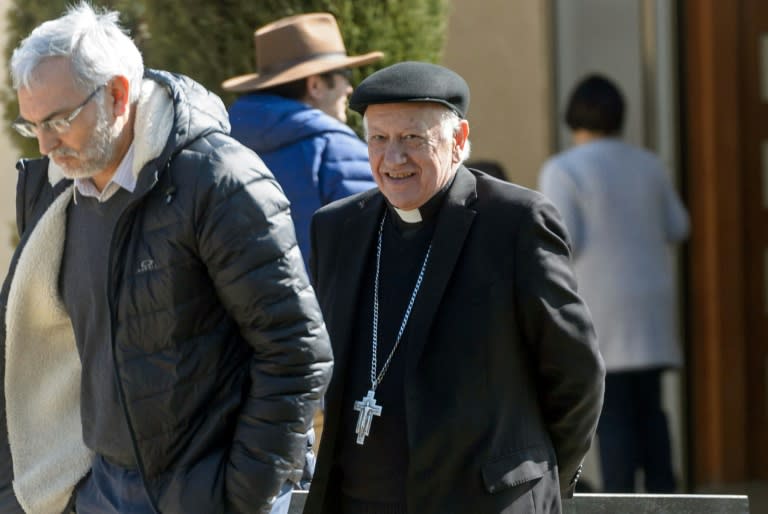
x: 94, y: 42
x: 450, y: 124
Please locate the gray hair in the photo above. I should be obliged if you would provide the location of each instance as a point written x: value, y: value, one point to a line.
x: 450, y: 123
x: 97, y: 46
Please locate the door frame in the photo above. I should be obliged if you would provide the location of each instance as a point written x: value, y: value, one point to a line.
x: 713, y: 164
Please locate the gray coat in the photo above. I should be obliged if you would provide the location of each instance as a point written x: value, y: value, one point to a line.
x: 623, y: 216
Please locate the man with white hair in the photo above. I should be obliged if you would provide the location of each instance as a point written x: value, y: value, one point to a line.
x: 467, y: 377
x: 164, y: 351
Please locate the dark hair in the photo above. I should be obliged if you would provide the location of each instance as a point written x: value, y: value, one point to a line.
x: 596, y: 104
x: 297, y: 89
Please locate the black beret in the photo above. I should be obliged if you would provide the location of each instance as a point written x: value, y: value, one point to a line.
x: 412, y: 81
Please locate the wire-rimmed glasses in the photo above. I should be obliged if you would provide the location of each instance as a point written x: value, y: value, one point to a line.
x: 58, y: 125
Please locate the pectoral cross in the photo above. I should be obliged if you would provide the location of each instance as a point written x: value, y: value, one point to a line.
x: 368, y: 409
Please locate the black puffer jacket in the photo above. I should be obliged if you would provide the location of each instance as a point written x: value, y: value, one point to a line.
x: 221, y: 354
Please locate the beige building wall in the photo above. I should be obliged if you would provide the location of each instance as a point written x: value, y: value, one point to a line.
x: 502, y: 49
x: 8, y: 157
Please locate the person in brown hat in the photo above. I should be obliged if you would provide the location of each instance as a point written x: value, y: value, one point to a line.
x: 293, y: 114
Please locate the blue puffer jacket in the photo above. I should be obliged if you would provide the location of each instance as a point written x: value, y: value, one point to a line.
x: 315, y: 158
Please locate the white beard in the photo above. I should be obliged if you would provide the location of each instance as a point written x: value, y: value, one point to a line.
x: 97, y: 154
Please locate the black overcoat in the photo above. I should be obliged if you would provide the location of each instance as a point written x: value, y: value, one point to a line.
x: 503, y: 382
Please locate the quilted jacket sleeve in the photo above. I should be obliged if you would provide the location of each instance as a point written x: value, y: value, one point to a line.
x: 247, y: 241
x: 344, y: 168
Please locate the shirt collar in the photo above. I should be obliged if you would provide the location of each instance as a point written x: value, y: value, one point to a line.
x: 123, y: 177
x: 427, y: 213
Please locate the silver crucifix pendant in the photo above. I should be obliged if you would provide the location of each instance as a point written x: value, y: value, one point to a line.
x: 368, y: 409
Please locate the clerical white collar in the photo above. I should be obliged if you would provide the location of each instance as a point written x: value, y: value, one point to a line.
x: 412, y: 216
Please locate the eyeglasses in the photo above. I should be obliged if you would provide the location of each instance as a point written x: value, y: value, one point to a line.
x: 58, y: 125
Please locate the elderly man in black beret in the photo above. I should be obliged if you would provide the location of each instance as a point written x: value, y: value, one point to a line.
x: 468, y: 378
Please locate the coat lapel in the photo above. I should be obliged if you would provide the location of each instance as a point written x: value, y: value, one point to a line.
x: 453, y: 224
x: 359, y: 231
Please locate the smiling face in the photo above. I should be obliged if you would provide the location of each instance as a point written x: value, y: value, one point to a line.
x: 412, y: 154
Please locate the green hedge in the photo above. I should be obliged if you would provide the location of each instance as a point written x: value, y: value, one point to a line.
x: 213, y: 40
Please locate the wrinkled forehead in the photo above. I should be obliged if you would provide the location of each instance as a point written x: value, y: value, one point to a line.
x: 52, y: 73
x: 51, y: 88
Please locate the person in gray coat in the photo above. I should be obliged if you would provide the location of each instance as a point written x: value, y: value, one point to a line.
x: 164, y: 350
x: 623, y: 216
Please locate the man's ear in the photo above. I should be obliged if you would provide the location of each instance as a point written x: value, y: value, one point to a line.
x: 119, y: 89
x: 460, y: 139
x: 316, y: 87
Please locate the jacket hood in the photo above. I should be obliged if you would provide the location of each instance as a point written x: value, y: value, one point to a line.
x: 197, y: 112
x: 172, y: 110
x: 268, y: 122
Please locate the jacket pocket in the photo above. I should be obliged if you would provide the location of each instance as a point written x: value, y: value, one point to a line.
x: 516, y: 468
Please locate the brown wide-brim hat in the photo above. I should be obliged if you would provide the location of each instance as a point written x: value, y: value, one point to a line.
x: 294, y: 48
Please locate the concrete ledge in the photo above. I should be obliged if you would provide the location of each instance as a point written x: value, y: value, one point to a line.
x: 298, y: 499
x: 656, y: 504
x: 627, y: 504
